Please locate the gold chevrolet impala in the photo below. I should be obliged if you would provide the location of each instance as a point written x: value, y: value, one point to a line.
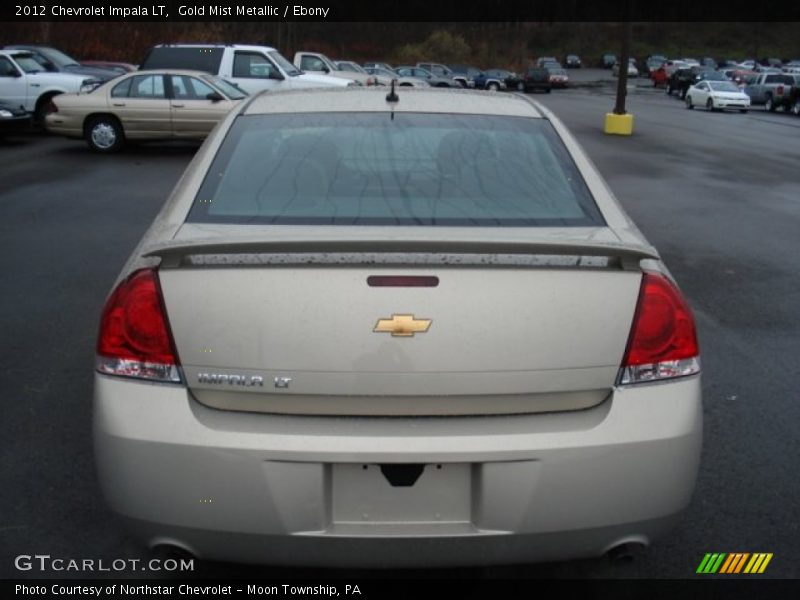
x: 395, y: 329
x: 144, y: 105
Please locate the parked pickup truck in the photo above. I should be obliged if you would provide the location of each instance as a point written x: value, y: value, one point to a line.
x: 445, y: 72
x: 24, y: 82
x: 252, y: 68
x: 315, y: 62
x: 770, y: 89
x: 790, y: 101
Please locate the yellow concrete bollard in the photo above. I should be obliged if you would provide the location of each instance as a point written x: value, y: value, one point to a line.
x: 619, y: 124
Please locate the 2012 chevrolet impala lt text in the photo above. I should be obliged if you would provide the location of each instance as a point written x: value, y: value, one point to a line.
x: 395, y: 330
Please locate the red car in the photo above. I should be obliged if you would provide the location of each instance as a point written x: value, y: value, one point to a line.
x: 659, y: 76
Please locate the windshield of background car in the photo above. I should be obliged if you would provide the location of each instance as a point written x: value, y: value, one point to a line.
x: 232, y: 91
x: 409, y: 169
x: 27, y: 63
x: 59, y: 58
x: 723, y: 86
x: 284, y: 64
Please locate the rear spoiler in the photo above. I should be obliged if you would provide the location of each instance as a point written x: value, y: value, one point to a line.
x: 173, y: 253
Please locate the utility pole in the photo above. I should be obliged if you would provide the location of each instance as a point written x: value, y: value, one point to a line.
x: 619, y: 121
x: 622, y: 79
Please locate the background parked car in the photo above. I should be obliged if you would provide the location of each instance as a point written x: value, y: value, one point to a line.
x: 682, y: 79
x: 512, y: 80
x: 632, y: 70
x: 542, y: 61
x: 558, y: 78
x: 144, y: 105
x: 13, y: 118
x: 420, y: 73
x: 608, y: 61
x: 444, y: 72
x: 389, y: 74
x: 485, y: 81
x: 319, y: 64
x: 252, y: 68
x: 55, y: 61
x: 348, y: 66
x: 572, y: 61
x: 653, y: 62
x: 793, y: 101
x: 769, y: 89
x: 737, y: 75
x: 537, y: 78
x: 119, y: 67
x: 717, y: 95
x: 465, y: 72
x: 659, y: 76
x: 25, y: 82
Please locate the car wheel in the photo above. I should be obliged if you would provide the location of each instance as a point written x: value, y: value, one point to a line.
x: 743, y: 110
x: 40, y: 112
x: 796, y: 108
x: 689, y: 104
x: 709, y: 104
x: 104, y: 134
x: 493, y: 87
x: 769, y: 104
x: 520, y: 87
x: 683, y: 94
x: 548, y: 90
x: 669, y: 90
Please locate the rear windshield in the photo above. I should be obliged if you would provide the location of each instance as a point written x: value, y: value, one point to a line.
x: 196, y: 58
x: 406, y: 169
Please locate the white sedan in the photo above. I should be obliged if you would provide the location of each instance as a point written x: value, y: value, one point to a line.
x: 717, y: 95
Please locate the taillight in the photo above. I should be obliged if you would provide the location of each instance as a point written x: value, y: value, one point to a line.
x: 135, y: 339
x: 663, y: 340
x: 779, y: 90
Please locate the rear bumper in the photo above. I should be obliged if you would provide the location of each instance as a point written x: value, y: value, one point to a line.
x: 295, y: 490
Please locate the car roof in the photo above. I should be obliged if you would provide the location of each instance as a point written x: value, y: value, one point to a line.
x: 235, y: 46
x: 12, y: 52
x: 190, y: 72
x: 422, y: 100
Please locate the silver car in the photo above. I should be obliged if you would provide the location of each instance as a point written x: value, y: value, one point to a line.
x: 409, y: 330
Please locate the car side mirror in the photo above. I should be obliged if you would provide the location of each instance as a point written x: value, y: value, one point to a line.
x: 215, y: 97
x: 325, y: 69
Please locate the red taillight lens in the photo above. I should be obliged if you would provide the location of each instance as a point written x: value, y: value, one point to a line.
x: 779, y: 90
x: 134, y: 338
x: 663, y: 339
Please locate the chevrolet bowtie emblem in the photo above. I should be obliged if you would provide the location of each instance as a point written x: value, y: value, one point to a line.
x: 402, y: 325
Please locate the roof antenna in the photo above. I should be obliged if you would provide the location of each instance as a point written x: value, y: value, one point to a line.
x: 392, y: 96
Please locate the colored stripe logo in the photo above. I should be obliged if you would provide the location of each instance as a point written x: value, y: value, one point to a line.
x: 734, y: 563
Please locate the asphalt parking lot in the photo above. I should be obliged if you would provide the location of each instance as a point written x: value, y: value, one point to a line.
x: 717, y: 193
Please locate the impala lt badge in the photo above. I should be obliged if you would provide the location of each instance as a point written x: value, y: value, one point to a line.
x: 224, y: 378
x: 402, y: 325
